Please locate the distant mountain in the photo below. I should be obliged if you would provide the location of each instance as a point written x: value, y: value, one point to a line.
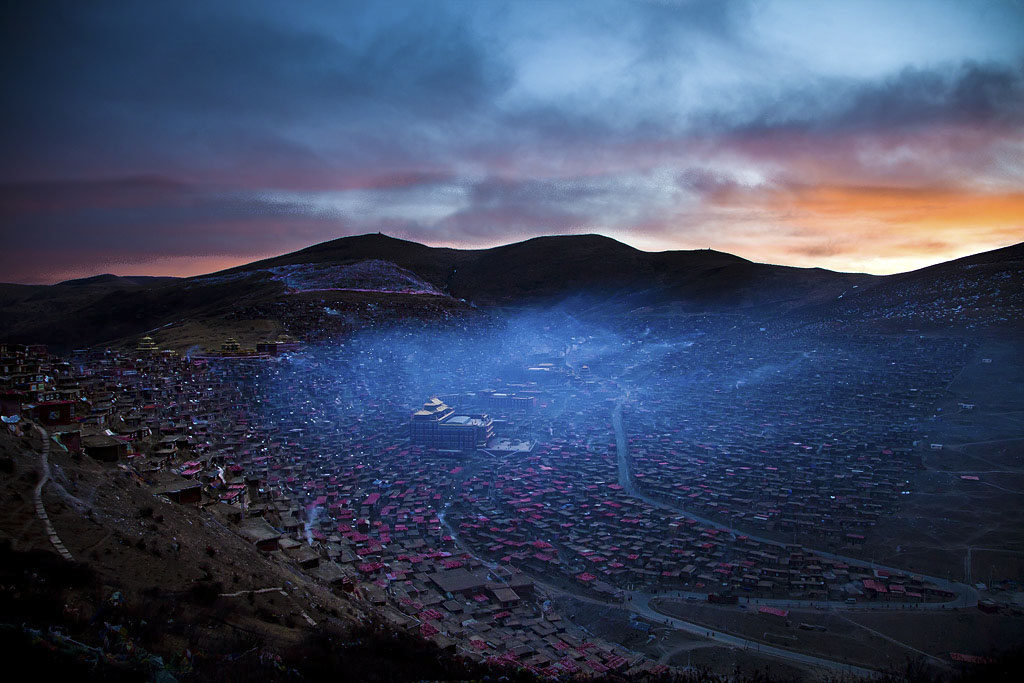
x: 109, y: 278
x: 348, y: 282
x: 545, y: 267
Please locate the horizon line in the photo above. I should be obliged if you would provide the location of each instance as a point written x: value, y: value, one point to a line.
x: 457, y: 246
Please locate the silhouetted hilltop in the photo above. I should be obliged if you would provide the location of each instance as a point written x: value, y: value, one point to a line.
x: 565, y: 265
x: 400, y: 278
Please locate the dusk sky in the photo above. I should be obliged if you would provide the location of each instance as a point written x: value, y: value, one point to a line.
x: 184, y: 137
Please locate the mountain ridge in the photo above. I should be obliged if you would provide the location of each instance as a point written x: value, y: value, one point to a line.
x: 256, y: 299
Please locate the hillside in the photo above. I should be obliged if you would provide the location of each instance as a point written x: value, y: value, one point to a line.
x: 330, y: 288
x: 543, y: 268
x: 159, y: 591
x: 82, y: 314
x: 978, y: 292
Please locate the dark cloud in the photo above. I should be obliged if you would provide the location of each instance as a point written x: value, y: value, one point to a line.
x: 706, y: 182
x: 513, y: 208
x: 249, y: 128
x: 815, y: 249
x: 243, y: 93
x: 136, y: 87
x: 140, y: 215
x: 971, y: 94
x: 497, y: 192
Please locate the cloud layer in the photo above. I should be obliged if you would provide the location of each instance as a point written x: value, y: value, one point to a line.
x: 173, y: 138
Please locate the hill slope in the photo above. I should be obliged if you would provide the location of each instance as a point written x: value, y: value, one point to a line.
x: 982, y: 291
x: 334, y: 286
x: 160, y: 591
x: 543, y: 268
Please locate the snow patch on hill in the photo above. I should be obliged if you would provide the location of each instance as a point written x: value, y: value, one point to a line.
x: 364, y: 276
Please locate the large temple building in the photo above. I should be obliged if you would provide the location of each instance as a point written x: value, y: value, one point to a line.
x: 436, y: 425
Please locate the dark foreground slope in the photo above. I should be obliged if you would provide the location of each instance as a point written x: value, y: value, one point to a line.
x: 158, y: 591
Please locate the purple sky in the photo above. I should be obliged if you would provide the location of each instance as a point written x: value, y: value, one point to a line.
x: 179, y: 138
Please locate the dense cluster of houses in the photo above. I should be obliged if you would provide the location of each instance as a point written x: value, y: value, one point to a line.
x: 561, y: 511
x: 821, y: 450
x: 318, y: 316
x: 103, y: 404
x: 314, y: 469
x: 308, y: 454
